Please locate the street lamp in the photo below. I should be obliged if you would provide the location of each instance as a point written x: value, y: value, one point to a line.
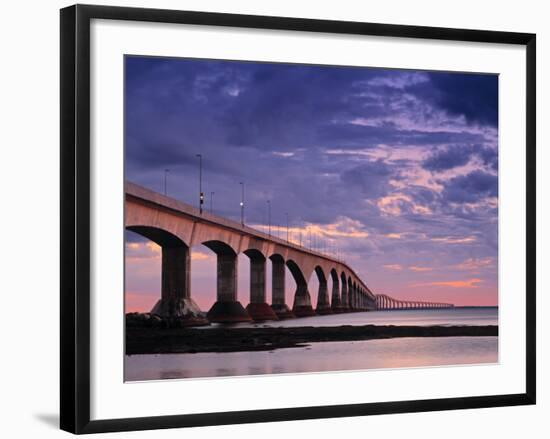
x: 211, y: 202
x: 201, y: 195
x: 287, y: 235
x: 269, y: 217
x: 242, y: 203
x: 166, y: 171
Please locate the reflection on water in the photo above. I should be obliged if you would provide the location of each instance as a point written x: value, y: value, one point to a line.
x: 318, y: 357
x: 452, y: 316
x: 333, y: 356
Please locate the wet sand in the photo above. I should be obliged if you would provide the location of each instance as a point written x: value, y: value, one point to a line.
x: 228, y: 339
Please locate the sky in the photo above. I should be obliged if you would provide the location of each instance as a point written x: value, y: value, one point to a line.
x: 396, y: 171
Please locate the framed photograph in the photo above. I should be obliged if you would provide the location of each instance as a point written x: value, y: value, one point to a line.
x: 337, y: 218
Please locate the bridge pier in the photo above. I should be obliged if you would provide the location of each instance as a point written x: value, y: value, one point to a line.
x: 302, y: 301
x: 175, y: 301
x: 227, y: 308
x: 350, y: 295
x: 323, y: 302
x: 278, y: 304
x: 336, y: 303
x: 258, y: 308
x: 345, y: 299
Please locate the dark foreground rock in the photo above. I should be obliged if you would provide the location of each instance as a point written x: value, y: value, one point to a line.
x: 158, y: 340
x: 151, y: 320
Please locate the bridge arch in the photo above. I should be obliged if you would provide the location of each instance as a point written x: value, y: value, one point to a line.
x: 302, y: 300
x: 278, y: 287
x: 175, y: 300
x: 323, y: 299
x: 350, y: 292
x: 344, y: 289
x: 257, y: 308
x: 336, y: 303
x: 159, y: 236
x: 227, y: 308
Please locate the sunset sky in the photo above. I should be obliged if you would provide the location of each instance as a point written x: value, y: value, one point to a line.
x: 394, y: 169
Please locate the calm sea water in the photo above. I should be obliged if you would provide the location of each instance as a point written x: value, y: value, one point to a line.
x: 446, y: 317
x: 336, y: 356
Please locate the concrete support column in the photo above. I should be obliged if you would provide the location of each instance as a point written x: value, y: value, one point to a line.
x: 335, y: 299
x: 227, y: 278
x: 323, y: 301
x: 257, y: 280
x: 258, y: 308
x: 175, y: 301
x: 278, y: 303
x: 176, y: 268
x: 345, y: 299
x: 302, y: 301
x: 227, y: 308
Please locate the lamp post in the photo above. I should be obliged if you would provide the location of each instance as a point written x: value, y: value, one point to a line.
x: 269, y: 217
x: 166, y: 171
x: 287, y: 235
x: 242, y: 203
x: 201, y: 195
x: 211, y: 202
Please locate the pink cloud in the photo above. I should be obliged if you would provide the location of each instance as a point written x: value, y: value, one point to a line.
x: 475, y: 263
x: 419, y: 269
x: 396, y: 267
x: 470, y: 283
x: 455, y: 240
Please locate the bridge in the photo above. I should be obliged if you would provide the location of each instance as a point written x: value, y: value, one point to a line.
x: 176, y: 227
x: 385, y: 302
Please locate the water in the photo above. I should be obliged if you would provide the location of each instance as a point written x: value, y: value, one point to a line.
x: 445, y: 317
x: 336, y: 356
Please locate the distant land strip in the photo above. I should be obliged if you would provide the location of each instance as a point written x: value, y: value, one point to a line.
x: 227, y: 339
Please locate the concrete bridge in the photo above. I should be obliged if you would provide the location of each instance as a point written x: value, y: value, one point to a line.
x: 176, y: 227
x: 385, y: 302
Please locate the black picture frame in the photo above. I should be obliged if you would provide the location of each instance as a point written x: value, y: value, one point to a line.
x: 75, y: 217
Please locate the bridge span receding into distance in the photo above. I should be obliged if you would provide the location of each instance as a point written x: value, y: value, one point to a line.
x: 176, y: 227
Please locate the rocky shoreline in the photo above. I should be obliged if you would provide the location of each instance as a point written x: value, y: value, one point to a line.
x: 172, y: 340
